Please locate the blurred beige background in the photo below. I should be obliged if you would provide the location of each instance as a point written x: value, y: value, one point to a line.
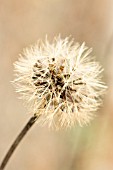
x: 22, y: 22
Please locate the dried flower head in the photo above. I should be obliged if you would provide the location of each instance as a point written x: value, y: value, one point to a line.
x: 60, y: 81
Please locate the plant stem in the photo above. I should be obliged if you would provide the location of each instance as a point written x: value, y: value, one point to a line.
x: 8, y: 155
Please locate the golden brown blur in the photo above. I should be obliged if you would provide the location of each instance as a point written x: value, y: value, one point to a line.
x: 23, y: 22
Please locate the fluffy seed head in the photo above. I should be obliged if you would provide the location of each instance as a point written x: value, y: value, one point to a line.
x: 60, y: 81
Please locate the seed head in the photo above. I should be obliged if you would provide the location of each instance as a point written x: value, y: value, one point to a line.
x: 60, y: 81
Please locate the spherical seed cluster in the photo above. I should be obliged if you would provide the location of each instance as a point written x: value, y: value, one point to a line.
x: 60, y: 81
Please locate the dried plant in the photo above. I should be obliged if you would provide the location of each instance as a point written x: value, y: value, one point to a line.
x: 60, y: 82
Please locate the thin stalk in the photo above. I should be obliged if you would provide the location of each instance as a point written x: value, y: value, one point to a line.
x: 14, y: 145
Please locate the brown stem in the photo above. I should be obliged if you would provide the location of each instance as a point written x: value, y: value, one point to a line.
x: 8, y: 155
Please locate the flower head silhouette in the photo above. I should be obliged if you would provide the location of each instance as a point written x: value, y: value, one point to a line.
x: 61, y: 81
